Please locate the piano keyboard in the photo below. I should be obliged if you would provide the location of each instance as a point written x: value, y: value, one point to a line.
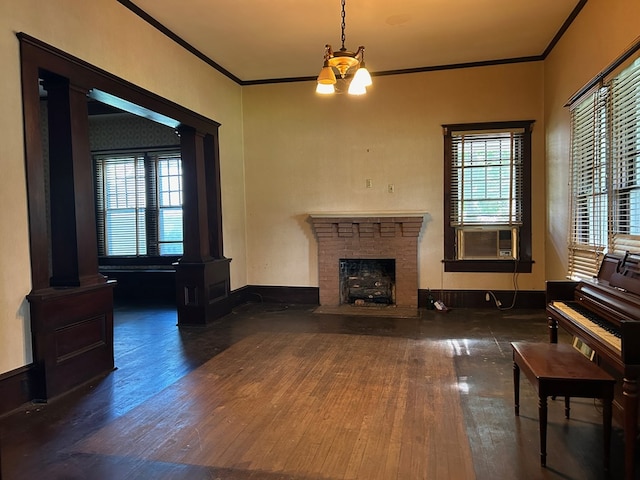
x: 590, y: 324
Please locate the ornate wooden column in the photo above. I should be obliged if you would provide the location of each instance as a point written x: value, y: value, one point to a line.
x: 202, y: 274
x: 72, y: 310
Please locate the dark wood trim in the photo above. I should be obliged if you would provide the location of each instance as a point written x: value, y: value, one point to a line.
x: 17, y: 387
x: 72, y: 331
x: 433, y: 68
x: 77, y: 320
x: 405, y: 71
x: 456, y: 66
x: 565, y: 26
x: 149, y: 284
x: 525, y: 262
x: 281, y: 294
x: 560, y: 290
x: 488, y: 266
x: 202, y: 274
x: 451, y: 298
x: 529, y: 299
x: 187, y: 46
x: 45, y: 57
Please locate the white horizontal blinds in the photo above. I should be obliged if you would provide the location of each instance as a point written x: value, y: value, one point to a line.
x: 169, y: 178
x: 605, y: 169
x: 487, y: 177
x: 625, y: 160
x: 123, y: 205
x: 139, y: 203
x: 588, y: 174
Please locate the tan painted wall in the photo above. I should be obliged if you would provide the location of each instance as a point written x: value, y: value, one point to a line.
x: 603, y: 30
x: 305, y: 153
x: 105, y: 34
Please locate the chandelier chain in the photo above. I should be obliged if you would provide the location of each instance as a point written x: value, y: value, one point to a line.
x: 343, y: 24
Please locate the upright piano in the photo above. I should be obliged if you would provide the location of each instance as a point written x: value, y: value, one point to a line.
x: 604, y: 313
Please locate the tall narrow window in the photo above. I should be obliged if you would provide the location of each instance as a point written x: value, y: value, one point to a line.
x: 605, y: 170
x: 487, y: 201
x: 486, y: 180
x: 588, y: 201
x: 139, y: 204
x: 170, y: 204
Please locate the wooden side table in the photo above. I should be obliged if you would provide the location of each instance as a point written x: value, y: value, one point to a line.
x: 556, y: 369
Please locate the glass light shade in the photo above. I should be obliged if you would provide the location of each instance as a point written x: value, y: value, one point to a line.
x: 356, y: 89
x: 362, y: 77
x: 325, y: 88
x: 326, y: 77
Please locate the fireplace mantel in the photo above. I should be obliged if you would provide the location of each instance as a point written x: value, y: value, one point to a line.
x: 367, y: 215
x: 368, y: 235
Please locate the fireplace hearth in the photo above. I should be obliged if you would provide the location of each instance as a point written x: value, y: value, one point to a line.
x: 362, y: 239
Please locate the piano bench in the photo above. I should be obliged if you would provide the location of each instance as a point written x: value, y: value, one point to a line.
x: 560, y: 370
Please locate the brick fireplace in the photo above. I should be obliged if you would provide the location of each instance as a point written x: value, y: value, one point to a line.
x: 368, y: 236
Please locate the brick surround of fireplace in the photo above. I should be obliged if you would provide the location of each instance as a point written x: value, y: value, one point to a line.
x: 368, y: 236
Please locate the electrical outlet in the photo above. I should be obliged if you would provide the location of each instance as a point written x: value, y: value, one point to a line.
x: 391, y: 188
x: 487, y: 298
x: 368, y: 183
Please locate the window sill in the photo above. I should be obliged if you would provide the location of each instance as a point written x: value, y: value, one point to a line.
x: 488, y: 266
x: 138, y: 262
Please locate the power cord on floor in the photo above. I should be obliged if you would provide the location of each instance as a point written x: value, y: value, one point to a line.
x: 497, y: 302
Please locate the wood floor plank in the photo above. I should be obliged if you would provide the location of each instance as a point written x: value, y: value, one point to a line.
x: 387, y: 401
x: 306, y: 404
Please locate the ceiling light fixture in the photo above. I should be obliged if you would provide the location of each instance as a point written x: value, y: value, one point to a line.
x: 343, y: 60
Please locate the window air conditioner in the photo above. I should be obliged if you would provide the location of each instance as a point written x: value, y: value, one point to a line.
x: 487, y: 243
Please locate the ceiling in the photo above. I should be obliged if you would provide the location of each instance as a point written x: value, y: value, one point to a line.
x: 270, y: 40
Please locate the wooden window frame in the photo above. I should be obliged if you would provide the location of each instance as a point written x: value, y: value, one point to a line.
x: 524, y: 262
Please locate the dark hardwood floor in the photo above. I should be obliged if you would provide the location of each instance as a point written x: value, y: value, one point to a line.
x: 152, y: 353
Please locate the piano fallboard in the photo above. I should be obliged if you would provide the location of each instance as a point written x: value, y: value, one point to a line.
x: 612, y: 303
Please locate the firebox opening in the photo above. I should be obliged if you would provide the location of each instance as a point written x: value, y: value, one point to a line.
x: 368, y: 281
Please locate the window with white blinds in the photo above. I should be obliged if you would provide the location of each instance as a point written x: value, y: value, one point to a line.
x: 604, y: 170
x: 487, y: 195
x: 486, y: 177
x: 139, y: 204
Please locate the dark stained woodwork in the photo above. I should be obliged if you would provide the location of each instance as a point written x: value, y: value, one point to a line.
x: 202, y: 291
x: 278, y: 294
x: 560, y: 370
x: 477, y: 298
x: 66, y: 255
x: 194, y: 193
x: 17, y: 388
x: 74, y: 255
x: 39, y: 55
x: 214, y: 194
x: 525, y: 262
x: 202, y: 275
x: 72, y: 331
x: 601, y: 307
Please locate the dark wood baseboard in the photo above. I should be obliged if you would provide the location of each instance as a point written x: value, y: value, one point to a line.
x: 150, y: 284
x: 278, y: 294
x: 477, y: 298
x: 451, y: 298
x: 17, y: 387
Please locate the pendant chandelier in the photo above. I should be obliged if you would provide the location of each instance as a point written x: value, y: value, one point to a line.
x: 343, y: 60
